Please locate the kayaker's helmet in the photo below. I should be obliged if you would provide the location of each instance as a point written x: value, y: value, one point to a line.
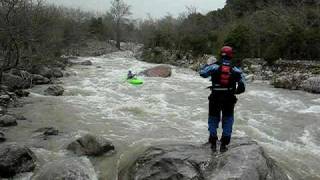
x: 227, y: 51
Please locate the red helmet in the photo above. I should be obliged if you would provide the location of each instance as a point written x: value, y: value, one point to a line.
x: 227, y: 51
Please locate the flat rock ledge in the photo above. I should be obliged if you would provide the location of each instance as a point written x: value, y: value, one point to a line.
x: 245, y: 160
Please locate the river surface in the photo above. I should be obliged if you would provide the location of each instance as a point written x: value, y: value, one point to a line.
x: 98, y: 100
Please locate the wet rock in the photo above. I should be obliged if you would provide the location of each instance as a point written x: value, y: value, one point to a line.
x: 312, y: 85
x: 2, y: 137
x: 245, y: 160
x: 21, y: 93
x: 48, y: 131
x: 57, y: 73
x: 86, y: 63
x: 292, y: 82
x: 19, y: 117
x: 39, y: 79
x: 67, y: 169
x: 42, y: 70
x: 15, y: 159
x: 8, y: 120
x: 158, y: 71
x: 91, y: 146
x: 15, y: 82
x: 55, y: 90
x: 20, y: 73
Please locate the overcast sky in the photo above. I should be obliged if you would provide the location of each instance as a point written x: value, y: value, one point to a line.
x: 140, y: 8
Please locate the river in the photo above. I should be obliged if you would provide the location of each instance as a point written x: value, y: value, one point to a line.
x: 97, y: 100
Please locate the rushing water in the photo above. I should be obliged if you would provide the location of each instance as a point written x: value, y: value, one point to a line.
x: 99, y: 101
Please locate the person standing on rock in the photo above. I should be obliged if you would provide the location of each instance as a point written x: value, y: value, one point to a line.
x: 227, y: 81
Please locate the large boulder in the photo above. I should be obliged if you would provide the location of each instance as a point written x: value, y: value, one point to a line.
x: 67, y: 169
x: 55, y: 90
x: 15, y: 159
x: 8, y: 120
x: 15, y: 82
x: 91, y: 146
x: 39, y: 79
x: 42, y: 70
x: 20, y: 73
x: 245, y: 160
x: 21, y: 93
x: 312, y: 85
x: 56, y: 72
x: 292, y: 82
x: 158, y: 71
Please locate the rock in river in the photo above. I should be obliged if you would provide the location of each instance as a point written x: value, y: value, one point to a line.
x: 8, y: 120
x: 15, y: 159
x: 245, y: 160
x: 48, y: 131
x: 90, y: 145
x: 312, y: 85
x: 86, y: 63
x: 67, y: 169
x: 55, y: 90
x: 158, y: 71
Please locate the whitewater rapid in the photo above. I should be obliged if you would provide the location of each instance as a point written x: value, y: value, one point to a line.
x: 98, y: 100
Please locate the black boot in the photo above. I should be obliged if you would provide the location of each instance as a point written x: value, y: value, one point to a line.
x: 225, y: 140
x: 223, y: 148
x: 213, y: 142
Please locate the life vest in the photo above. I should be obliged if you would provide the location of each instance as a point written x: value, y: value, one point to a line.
x: 225, y: 75
x: 222, y: 80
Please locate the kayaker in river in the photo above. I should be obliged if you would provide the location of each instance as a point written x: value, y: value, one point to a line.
x: 227, y: 80
x: 131, y: 75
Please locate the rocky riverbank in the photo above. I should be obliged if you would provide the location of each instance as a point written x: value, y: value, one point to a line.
x: 293, y: 75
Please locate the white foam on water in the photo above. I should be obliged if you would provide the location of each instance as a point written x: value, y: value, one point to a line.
x: 316, y: 100
x: 285, y: 104
x: 307, y: 139
x: 311, y: 109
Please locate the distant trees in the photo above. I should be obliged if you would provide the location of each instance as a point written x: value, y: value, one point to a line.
x: 119, y: 12
x: 270, y: 29
x: 33, y: 32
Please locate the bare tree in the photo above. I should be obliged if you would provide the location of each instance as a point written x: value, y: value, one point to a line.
x: 120, y: 12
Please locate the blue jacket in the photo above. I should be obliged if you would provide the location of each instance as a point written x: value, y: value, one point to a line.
x: 214, y: 71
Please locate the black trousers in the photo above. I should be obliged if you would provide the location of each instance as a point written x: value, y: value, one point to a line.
x: 221, y: 108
